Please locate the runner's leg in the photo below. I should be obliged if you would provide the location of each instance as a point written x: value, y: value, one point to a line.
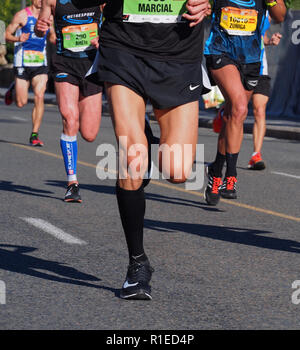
x: 179, y: 128
x: 67, y: 98
x: 39, y: 84
x: 21, y: 89
x: 128, y: 115
x: 259, y: 127
x: 230, y: 138
x: 90, y: 109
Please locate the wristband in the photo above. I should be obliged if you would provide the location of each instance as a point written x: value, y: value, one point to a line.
x: 271, y: 4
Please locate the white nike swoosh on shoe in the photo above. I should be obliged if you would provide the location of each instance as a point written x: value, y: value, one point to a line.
x: 127, y: 285
x: 194, y: 87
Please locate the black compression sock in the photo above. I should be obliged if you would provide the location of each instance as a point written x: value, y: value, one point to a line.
x: 132, y: 207
x: 231, y: 161
x: 218, y: 164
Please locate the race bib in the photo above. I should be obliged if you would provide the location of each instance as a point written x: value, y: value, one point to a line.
x: 77, y: 38
x: 153, y: 11
x: 33, y: 58
x: 238, y: 21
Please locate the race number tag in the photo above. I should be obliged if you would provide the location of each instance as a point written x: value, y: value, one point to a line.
x: 33, y: 58
x: 78, y: 38
x: 238, y: 21
x: 153, y: 11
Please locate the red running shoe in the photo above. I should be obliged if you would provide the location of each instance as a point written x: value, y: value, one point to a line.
x: 35, y: 141
x: 256, y: 162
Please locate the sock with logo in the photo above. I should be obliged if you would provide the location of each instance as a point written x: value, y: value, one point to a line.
x: 132, y: 205
x: 231, y: 161
x: 69, y: 150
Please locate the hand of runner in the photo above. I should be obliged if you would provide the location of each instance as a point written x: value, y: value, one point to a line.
x: 41, y: 27
x: 197, y: 11
x: 275, y: 39
x: 24, y: 37
x: 95, y: 42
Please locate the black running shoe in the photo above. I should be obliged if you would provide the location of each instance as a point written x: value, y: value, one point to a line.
x: 212, y: 190
x: 151, y: 140
x: 228, y: 189
x: 136, y: 285
x: 72, y: 194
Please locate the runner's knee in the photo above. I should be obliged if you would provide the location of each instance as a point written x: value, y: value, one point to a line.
x: 21, y: 102
x: 39, y: 96
x: 239, y: 112
x: 259, y: 113
x: 71, y: 123
x: 90, y: 137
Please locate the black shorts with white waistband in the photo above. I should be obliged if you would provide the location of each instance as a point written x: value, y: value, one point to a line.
x: 165, y: 84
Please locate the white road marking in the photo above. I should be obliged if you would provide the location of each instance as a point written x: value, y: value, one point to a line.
x: 54, y: 231
x: 284, y: 174
x: 19, y: 118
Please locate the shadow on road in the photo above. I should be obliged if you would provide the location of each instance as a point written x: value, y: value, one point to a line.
x: 227, y: 234
x: 9, y: 186
x: 18, y: 260
x: 149, y: 196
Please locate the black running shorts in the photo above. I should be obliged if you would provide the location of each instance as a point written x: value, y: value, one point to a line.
x: 73, y: 71
x: 249, y: 72
x: 28, y: 73
x: 165, y: 84
x: 264, y: 86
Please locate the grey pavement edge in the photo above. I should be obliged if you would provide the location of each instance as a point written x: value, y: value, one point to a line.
x: 288, y: 129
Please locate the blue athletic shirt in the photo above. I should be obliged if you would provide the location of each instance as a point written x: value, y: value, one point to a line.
x: 236, y: 29
x: 31, y: 53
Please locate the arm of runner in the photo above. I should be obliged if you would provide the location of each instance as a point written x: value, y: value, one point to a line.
x: 52, y: 35
x: 274, y: 40
x: 18, y: 21
x: 95, y: 42
x: 277, y: 10
x: 44, y: 22
x: 197, y: 11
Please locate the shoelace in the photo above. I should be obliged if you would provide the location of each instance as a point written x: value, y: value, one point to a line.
x: 230, y: 182
x: 73, y: 187
x: 256, y: 158
x: 217, y: 182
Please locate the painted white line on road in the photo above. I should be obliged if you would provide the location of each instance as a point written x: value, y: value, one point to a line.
x: 19, y: 118
x: 53, y: 230
x: 284, y: 174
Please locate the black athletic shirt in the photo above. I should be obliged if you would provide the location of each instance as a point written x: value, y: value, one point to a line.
x: 76, y: 24
x: 132, y: 25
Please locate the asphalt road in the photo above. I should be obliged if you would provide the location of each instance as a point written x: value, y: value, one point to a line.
x: 225, y: 267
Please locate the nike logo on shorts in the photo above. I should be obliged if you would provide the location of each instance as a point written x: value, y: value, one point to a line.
x: 192, y: 88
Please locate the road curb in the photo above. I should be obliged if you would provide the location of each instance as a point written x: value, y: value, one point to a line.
x: 279, y: 132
